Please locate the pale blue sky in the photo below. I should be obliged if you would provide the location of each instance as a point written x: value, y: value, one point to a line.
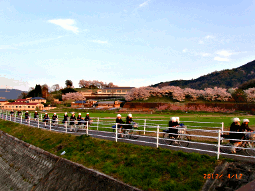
x: 128, y: 42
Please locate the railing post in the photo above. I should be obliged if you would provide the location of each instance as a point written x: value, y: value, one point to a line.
x: 38, y: 122
x: 157, y: 135
x: 41, y: 117
x: 87, y: 130
x: 97, y: 123
x: 29, y: 120
x: 50, y: 124
x: 15, y: 117
x: 10, y: 117
x: 66, y: 125
x: 222, y: 129
x: 144, y: 126
x: 116, y: 134
x: 21, y: 119
x: 218, y: 152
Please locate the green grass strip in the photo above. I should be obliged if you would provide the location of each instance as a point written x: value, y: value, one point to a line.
x: 144, y: 167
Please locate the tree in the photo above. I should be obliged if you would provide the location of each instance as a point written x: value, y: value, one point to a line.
x: 69, y: 83
x: 239, y: 96
x: 55, y: 87
x: 67, y: 90
x: 37, y: 92
x: 45, y: 91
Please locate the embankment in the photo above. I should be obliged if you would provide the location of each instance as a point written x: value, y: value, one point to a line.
x: 26, y: 167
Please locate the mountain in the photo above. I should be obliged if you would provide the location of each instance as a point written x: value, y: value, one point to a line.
x: 10, y: 93
x: 226, y: 78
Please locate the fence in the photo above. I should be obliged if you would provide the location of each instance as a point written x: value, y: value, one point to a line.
x: 151, y: 133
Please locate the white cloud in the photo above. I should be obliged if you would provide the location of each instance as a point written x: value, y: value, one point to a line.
x: 209, y: 37
x: 225, y: 53
x: 185, y: 50
x: 201, y: 42
x: 205, y: 54
x: 221, y: 59
x: 100, y: 41
x: 7, y: 47
x: 144, y: 3
x: 66, y: 24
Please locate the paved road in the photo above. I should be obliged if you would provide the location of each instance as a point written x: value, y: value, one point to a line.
x: 142, y: 140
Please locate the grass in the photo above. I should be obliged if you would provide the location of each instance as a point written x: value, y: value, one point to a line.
x: 143, y: 167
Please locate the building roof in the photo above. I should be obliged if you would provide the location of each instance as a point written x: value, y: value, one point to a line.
x: 108, y: 102
x: 3, y: 100
x: 20, y: 100
x: 118, y: 88
x: 80, y: 101
x: 37, y: 98
x: 21, y: 103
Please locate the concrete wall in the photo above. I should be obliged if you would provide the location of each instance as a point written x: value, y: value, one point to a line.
x: 25, y: 167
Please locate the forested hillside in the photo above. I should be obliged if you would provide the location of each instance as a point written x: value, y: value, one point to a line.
x: 226, y: 78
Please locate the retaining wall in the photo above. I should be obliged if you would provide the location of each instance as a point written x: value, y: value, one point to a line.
x: 26, y: 167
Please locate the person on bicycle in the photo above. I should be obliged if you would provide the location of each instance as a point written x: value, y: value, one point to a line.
x: 172, y: 127
x: 45, y: 119
x: 65, y: 118
x: 26, y: 116
x: 36, y: 115
x: 129, y: 121
x: 79, y: 119
x: 72, y: 120
x: 119, y: 122
x: 19, y: 112
x: 245, y: 127
x: 12, y: 112
x: 54, y: 119
x: 87, y: 118
x: 235, y: 127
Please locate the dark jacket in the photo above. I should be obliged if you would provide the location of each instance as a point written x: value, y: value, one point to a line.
x: 79, y: 119
x: 35, y: 115
x: 65, y: 118
x: 172, y: 124
x: 72, y: 119
x: 129, y: 120
x: 245, y: 128
x: 45, y: 118
x: 87, y: 118
x: 54, y: 117
x: 119, y: 121
x: 235, y: 128
x: 172, y: 130
x: 26, y: 115
x: 19, y: 112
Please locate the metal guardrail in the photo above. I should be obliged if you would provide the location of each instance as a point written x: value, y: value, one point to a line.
x: 156, y: 138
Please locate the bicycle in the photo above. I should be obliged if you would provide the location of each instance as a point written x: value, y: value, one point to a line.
x: 130, y: 133
x: 181, y: 139
x: 247, y: 145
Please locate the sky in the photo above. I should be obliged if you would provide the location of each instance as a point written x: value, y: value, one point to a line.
x: 129, y: 42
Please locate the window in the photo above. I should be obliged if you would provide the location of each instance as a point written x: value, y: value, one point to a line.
x: 16, y: 106
x: 19, y: 106
x: 124, y: 91
x: 28, y: 106
x: 12, y: 106
x: 9, y: 106
x: 108, y: 91
x: 24, y: 106
x: 104, y: 91
x: 33, y: 106
x: 118, y: 91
